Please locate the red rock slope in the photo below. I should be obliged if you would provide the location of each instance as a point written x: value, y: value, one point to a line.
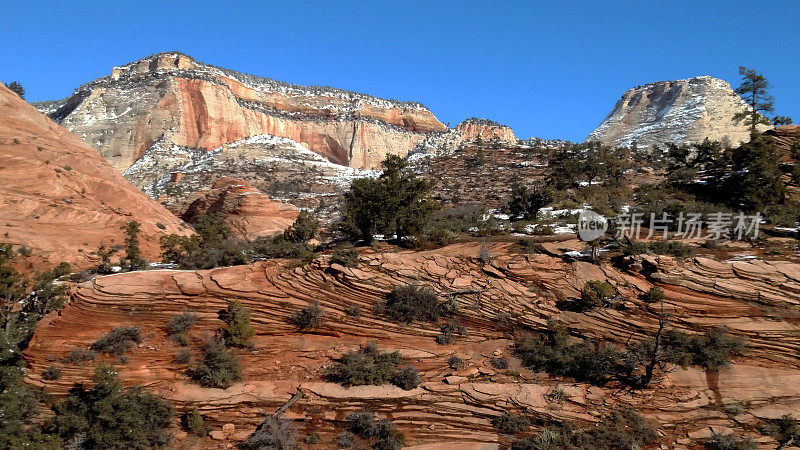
x: 60, y: 198
x: 247, y: 211
x: 452, y: 408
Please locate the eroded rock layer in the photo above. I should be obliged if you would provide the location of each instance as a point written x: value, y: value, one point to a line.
x: 452, y: 408
x: 681, y: 111
x: 171, y: 99
x: 247, y: 211
x: 60, y: 199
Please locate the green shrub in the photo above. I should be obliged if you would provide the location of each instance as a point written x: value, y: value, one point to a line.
x: 621, y: 429
x: 674, y: 248
x: 366, y: 366
x: 406, y: 378
x: 499, y: 363
x: 527, y: 246
x: 312, y: 439
x: 309, y: 317
x: 353, y: 311
x: 78, y: 356
x: 218, y: 368
x: 455, y: 363
x: 53, y: 372
x: 511, y: 423
x: 654, y: 295
x: 183, y: 357
x: 784, y: 430
x: 179, y: 325
x: 449, y: 332
x: 193, y: 423
x: 273, y: 433
x: 238, y: 331
x: 362, y: 423
x: 406, y: 304
x: 118, y: 341
x: 730, y: 442
x: 594, y: 294
x: 303, y: 229
x: 346, y: 439
x: 345, y: 256
x: 711, y: 350
x: 583, y: 361
x: 108, y: 416
x: 280, y: 247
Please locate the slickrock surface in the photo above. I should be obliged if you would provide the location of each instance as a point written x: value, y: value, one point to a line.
x: 247, y: 211
x: 170, y: 99
x: 680, y: 111
x: 60, y: 198
x: 451, y: 409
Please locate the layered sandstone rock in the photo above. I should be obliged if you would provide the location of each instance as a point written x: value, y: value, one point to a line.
x: 171, y: 99
x: 247, y: 211
x: 60, y: 198
x: 787, y: 141
x: 681, y: 111
x: 487, y: 130
x: 452, y: 408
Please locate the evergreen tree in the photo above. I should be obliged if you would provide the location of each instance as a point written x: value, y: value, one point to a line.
x: 111, y: 417
x: 133, y: 255
x: 753, y: 90
x: 16, y: 88
x: 757, y: 181
x: 238, y: 331
x: 303, y: 229
x: 781, y: 120
x: 396, y: 203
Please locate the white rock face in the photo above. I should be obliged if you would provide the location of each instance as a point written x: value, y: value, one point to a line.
x: 681, y: 111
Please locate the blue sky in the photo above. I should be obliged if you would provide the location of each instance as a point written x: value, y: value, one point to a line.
x: 550, y: 69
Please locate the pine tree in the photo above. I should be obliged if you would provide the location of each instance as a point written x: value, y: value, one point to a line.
x: 16, y: 88
x: 753, y: 90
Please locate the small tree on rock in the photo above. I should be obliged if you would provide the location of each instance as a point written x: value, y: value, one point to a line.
x: 238, y: 331
x: 16, y: 88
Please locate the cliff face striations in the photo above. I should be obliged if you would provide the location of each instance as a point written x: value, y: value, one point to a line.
x: 171, y: 99
x: 60, y: 198
x: 681, y: 111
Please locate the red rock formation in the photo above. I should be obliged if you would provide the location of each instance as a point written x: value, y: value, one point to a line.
x: 786, y: 138
x: 247, y: 211
x: 472, y: 129
x: 452, y: 408
x: 172, y: 99
x: 60, y: 198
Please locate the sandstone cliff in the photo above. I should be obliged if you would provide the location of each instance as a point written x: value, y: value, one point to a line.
x: 487, y: 130
x: 60, y: 198
x: 681, y: 111
x: 452, y: 408
x: 171, y: 99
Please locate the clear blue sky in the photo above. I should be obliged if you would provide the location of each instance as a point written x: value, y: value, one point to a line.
x: 551, y: 69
